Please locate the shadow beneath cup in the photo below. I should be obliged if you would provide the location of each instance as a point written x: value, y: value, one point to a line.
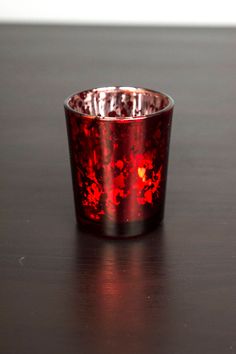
x: 121, y: 293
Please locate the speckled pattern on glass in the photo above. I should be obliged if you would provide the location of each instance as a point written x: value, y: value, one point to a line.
x: 119, y: 142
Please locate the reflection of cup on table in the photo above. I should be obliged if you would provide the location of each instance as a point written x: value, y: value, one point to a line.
x: 119, y: 142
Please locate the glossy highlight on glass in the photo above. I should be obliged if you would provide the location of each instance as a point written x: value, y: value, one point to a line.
x: 119, y: 144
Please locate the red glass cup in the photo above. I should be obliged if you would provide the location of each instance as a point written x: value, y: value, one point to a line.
x: 119, y: 145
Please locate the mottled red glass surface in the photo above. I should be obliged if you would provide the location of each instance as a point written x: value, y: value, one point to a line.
x: 119, y: 142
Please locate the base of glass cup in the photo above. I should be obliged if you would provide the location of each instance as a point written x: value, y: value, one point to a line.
x: 120, y: 230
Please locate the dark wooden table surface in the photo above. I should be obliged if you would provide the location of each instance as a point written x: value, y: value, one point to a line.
x: 170, y: 292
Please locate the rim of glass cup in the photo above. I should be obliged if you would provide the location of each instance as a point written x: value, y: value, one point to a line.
x: 134, y: 89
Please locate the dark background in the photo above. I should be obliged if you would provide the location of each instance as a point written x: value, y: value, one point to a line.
x: 172, y: 291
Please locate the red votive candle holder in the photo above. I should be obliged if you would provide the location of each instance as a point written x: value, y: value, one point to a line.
x: 119, y: 143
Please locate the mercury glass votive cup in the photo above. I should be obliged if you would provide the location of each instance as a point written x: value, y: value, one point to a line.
x: 119, y: 145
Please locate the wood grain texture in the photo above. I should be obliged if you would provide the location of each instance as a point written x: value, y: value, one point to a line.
x: 173, y: 291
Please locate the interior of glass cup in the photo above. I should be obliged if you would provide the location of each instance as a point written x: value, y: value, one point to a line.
x: 119, y: 102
